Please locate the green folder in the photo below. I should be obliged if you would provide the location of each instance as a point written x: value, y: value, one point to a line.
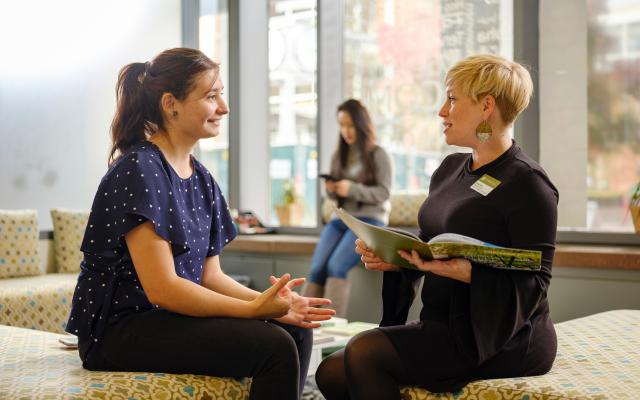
x: 385, y: 243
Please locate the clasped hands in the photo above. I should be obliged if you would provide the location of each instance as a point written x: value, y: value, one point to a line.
x: 281, y: 303
x: 340, y: 188
x: 455, y: 268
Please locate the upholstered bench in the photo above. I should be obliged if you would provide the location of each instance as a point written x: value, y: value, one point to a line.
x: 37, y: 302
x: 38, y: 277
x: 598, y: 358
x: 33, y: 365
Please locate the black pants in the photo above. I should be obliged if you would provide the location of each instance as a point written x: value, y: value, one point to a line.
x: 275, y: 355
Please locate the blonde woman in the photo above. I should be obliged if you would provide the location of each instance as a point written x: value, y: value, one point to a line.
x: 476, y: 322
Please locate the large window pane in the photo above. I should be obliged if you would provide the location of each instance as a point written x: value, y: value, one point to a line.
x: 613, y: 112
x: 213, y: 41
x: 292, y: 112
x: 396, y: 53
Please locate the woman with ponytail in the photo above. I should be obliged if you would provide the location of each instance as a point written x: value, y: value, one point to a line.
x: 360, y: 182
x: 151, y: 294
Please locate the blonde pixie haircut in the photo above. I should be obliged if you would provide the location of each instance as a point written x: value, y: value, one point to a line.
x: 507, y: 81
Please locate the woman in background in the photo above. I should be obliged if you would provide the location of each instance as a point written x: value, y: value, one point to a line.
x: 360, y: 182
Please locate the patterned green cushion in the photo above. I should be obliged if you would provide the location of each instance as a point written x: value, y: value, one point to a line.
x: 598, y: 358
x: 68, y: 231
x: 404, y: 209
x: 33, y: 365
x: 37, y: 302
x: 19, y: 254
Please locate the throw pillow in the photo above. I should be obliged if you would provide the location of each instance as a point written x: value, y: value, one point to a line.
x: 68, y: 231
x: 405, y: 208
x: 19, y: 255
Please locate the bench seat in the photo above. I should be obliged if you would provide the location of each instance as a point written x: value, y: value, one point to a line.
x: 33, y: 365
x: 39, y: 302
x: 598, y: 358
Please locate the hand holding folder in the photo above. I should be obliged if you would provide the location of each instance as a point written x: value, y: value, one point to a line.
x: 386, y: 242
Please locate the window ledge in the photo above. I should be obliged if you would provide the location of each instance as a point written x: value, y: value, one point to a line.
x: 275, y: 244
x: 598, y: 256
x: 567, y: 255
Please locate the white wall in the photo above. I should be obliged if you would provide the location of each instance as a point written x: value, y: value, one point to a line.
x: 58, y: 69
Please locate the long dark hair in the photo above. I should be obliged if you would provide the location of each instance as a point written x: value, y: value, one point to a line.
x: 365, y: 141
x: 139, y: 90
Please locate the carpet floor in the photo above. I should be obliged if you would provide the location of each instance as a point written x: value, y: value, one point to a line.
x: 310, y: 391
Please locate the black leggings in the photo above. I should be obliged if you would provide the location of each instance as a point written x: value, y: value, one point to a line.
x: 275, y: 355
x: 368, y: 368
x: 372, y: 367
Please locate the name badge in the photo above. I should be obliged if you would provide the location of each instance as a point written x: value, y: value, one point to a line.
x: 485, y: 184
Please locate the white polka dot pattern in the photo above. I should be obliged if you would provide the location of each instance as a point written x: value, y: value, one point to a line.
x: 142, y: 187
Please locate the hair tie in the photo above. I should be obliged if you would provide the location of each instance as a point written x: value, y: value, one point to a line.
x: 144, y: 74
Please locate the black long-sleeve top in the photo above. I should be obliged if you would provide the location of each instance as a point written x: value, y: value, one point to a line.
x: 521, y: 212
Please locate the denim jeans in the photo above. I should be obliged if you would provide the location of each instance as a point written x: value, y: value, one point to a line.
x: 335, y: 253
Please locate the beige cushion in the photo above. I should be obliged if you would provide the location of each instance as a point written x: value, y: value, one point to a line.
x: 598, y: 358
x: 68, y: 231
x: 19, y: 254
x: 37, y: 302
x: 404, y: 208
x: 34, y: 366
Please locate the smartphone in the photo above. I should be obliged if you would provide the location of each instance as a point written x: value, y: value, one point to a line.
x: 328, y: 177
x: 70, y: 342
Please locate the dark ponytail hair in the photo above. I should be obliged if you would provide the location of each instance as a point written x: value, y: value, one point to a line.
x: 365, y: 140
x: 139, y: 90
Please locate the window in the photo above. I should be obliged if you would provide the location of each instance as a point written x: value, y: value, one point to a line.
x: 396, y: 54
x: 292, y: 112
x: 613, y: 98
x: 590, y: 112
x: 213, y: 41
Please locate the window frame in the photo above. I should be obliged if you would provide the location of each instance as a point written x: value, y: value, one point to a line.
x: 526, y: 50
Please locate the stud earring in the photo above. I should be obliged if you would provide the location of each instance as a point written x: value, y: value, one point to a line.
x: 175, y: 113
x: 484, y: 132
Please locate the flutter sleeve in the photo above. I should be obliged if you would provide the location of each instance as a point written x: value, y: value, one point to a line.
x: 399, y: 290
x: 135, y: 190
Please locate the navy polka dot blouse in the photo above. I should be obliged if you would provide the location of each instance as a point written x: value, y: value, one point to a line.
x: 191, y: 214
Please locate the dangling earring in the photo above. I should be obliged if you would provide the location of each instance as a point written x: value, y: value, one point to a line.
x: 484, y: 132
x: 175, y: 113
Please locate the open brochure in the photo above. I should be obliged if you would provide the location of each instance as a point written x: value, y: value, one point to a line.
x: 386, y: 242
